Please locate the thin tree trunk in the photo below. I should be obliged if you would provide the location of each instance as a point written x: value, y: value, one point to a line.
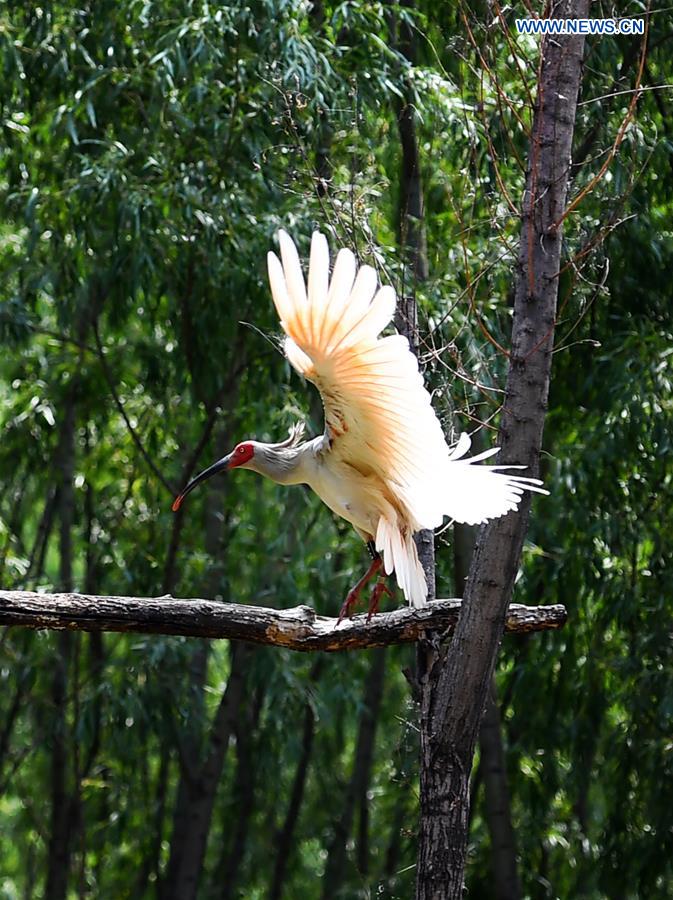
x: 362, y: 842
x: 15, y: 707
x: 190, y: 747
x: 455, y: 690
x: 94, y: 674
x: 244, y: 781
x: 182, y: 842
x: 150, y: 863
x: 411, y: 224
x: 199, y: 788
x: 335, y: 869
x: 60, y: 834
x: 284, y: 841
x: 394, y: 850
x: 17, y: 494
x: 171, y: 564
x: 505, y: 885
x: 37, y: 557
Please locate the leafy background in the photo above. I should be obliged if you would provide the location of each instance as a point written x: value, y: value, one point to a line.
x: 149, y: 153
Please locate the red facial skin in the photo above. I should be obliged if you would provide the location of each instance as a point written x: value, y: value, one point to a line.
x: 241, y: 454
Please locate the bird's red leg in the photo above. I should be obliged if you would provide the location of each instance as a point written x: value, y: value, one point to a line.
x: 354, y: 594
x: 380, y: 588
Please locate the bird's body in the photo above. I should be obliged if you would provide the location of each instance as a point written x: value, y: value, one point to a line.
x: 383, y: 463
x: 359, y: 497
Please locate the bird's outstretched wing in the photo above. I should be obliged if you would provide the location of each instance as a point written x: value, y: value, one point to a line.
x: 378, y: 414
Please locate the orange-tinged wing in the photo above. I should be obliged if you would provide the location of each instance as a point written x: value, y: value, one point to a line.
x: 377, y: 411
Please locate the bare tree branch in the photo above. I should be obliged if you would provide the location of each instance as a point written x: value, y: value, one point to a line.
x: 299, y: 628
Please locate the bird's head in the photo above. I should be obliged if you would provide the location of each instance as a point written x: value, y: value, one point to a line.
x: 240, y: 457
x: 272, y: 460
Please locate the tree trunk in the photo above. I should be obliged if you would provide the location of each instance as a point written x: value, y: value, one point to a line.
x: 364, y: 754
x: 188, y: 852
x: 455, y: 690
x: 60, y: 825
x: 38, y: 553
x: 189, y: 797
x: 15, y: 706
x: 149, y: 868
x: 412, y: 205
x: 284, y: 841
x: 505, y: 883
x: 245, y: 776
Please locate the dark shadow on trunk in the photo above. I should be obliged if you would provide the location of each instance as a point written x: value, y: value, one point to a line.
x: 505, y: 883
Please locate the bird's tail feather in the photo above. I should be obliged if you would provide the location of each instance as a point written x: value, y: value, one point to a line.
x: 474, y: 494
x: 399, y: 555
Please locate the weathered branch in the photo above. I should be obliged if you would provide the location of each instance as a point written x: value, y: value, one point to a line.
x: 299, y: 628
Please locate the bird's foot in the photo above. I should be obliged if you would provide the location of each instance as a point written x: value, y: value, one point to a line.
x: 380, y: 588
x: 354, y: 594
x: 351, y: 599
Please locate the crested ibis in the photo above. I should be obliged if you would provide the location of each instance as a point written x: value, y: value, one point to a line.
x: 383, y: 463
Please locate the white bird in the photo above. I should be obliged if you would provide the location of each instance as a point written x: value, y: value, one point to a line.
x: 383, y: 463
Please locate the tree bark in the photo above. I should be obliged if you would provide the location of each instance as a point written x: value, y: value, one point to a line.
x: 189, y: 748
x: 412, y: 236
x: 36, y: 562
x: 299, y: 628
x: 193, y: 740
x: 15, y: 705
x: 455, y: 690
x: 156, y: 816
x: 231, y: 862
x: 505, y: 884
x: 66, y: 800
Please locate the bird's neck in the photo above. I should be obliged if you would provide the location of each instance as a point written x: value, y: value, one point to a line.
x: 287, y: 466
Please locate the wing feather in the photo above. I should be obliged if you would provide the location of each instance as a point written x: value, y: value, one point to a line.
x: 281, y: 298
x: 379, y: 416
x: 340, y: 288
x: 318, y: 282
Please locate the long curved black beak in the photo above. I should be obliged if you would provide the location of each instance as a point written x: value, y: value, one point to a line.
x: 220, y: 466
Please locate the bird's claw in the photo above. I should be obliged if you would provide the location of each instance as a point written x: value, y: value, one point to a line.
x: 351, y: 599
x: 354, y: 594
x: 380, y: 588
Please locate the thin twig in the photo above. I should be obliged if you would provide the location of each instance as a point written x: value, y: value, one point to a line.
x: 120, y: 406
